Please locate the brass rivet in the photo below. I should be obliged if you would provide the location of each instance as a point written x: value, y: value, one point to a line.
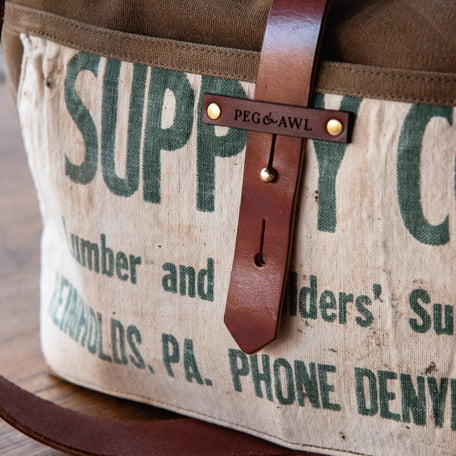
x: 334, y: 127
x: 214, y: 111
x: 268, y: 175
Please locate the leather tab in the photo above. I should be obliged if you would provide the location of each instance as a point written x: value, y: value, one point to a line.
x: 266, y: 217
x: 276, y: 118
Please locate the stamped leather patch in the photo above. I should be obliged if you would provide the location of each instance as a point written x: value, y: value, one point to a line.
x: 276, y: 118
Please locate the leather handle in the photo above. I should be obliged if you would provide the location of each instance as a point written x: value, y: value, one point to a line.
x: 83, y: 435
x: 266, y: 218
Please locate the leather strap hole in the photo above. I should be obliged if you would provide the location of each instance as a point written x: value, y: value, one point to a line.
x: 260, y: 260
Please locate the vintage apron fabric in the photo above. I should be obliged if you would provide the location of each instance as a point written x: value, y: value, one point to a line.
x: 140, y: 203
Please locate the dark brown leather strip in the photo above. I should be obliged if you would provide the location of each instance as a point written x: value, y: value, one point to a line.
x: 276, y: 118
x: 2, y: 14
x: 79, y: 434
x: 266, y: 217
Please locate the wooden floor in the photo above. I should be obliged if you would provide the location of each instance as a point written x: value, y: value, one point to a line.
x: 20, y: 356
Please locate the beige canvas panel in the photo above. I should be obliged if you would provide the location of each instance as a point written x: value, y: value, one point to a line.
x: 349, y: 79
x: 136, y: 263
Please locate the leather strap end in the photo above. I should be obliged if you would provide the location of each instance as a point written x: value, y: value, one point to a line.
x: 272, y: 174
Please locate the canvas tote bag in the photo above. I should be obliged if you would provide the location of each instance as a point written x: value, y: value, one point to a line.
x: 213, y: 247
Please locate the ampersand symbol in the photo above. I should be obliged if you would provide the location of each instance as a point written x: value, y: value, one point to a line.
x: 268, y: 120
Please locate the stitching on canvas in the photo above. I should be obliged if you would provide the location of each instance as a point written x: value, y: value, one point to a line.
x: 244, y: 77
x: 396, y: 74
x: 126, y: 57
x: 163, y: 42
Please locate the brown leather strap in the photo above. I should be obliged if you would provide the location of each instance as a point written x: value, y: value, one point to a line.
x: 79, y: 434
x: 266, y: 217
x: 2, y: 14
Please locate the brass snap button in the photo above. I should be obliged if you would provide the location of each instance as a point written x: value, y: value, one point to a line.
x: 214, y: 111
x: 334, y: 127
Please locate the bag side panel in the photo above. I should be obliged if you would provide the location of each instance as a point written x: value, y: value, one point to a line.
x: 140, y: 204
